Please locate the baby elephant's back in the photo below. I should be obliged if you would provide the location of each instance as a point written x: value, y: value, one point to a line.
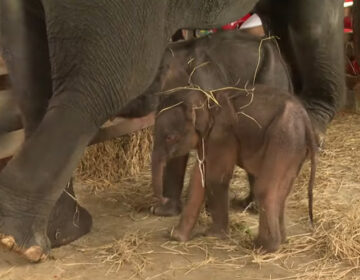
x: 246, y: 59
x: 258, y: 110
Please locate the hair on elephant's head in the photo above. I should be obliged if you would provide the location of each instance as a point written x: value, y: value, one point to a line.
x: 174, y: 70
x: 182, y: 120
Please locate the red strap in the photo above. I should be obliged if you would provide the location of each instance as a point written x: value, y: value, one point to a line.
x: 236, y: 24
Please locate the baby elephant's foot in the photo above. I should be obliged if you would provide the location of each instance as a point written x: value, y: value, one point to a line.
x: 179, y: 235
x: 217, y: 232
x: 170, y: 208
x: 268, y: 245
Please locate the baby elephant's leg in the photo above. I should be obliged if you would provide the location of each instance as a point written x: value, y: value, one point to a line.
x: 220, y: 162
x: 284, y: 192
x: 192, y: 208
x: 266, y: 192
x: 271, y: 189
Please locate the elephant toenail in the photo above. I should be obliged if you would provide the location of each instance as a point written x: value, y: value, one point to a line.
x: 8, y: 242
x: 34, y: 254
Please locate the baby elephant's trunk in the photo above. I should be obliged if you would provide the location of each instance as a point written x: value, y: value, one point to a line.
x: 158, y: 164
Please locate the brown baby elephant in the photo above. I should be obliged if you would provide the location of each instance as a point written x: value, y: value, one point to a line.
x: 223, y: 59
x: 265, y: 131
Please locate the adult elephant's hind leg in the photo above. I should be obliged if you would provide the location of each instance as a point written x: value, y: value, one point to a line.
x: 311, y: 39
x: 33, y: 181
x: 68, y: 220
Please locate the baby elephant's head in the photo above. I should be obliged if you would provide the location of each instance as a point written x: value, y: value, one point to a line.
x: 182, y: 120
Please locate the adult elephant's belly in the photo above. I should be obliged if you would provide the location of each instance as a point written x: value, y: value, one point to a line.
x: 94, y: 56
x: 12, y: 133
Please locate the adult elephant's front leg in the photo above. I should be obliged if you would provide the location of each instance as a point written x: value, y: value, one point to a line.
x: 32, y: 182
x: 25, y: 48
x: 92, y: 80
x: 311, y: 39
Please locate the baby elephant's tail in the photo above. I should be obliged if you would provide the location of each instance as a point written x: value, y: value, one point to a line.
x: 313, y: 147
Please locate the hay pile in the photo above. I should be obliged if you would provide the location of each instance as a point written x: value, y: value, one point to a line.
x: 124, y: 251
x: 107, y: 163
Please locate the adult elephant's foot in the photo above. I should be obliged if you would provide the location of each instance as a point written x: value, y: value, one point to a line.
x: 22, y: 227
x: 68, y: 221
x: 33, y: 253
x: 171, y: 207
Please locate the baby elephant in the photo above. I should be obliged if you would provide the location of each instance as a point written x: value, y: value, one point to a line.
x: 265, y: 131
x: 223, y: 59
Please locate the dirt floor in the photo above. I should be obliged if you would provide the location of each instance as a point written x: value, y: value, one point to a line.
x: 126, y: 242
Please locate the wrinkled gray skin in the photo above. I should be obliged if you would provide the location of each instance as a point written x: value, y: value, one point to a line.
x: 268, y: 134
x: 222, y: 59
x: 90, y: 58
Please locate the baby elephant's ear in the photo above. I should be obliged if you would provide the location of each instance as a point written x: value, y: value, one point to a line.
x: 197, y: 112
x: 201, y: 119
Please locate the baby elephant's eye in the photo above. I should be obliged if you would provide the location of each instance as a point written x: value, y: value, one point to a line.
x: 171, y: 138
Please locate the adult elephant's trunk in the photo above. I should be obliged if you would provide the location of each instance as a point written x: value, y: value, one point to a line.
x: 158, y: 164
x: 356, y: 27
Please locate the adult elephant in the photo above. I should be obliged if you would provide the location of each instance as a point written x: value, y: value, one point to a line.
x: 92, y: 57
